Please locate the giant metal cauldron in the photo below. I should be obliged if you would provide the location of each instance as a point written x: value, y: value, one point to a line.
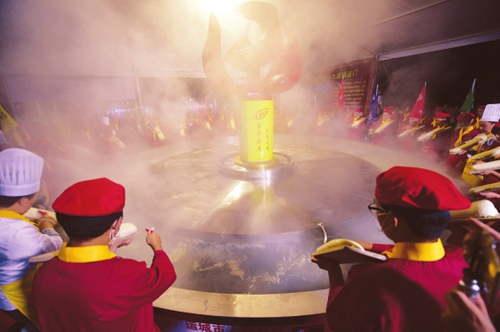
x: 241, y: 240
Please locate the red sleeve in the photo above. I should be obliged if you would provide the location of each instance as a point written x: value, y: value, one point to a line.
x: 165, y: 268
x: 143, y: 285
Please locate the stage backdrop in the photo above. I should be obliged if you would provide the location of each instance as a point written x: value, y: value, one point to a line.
x: 357, y: 86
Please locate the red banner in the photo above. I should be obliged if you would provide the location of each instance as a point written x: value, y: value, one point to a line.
x: 418, y: 108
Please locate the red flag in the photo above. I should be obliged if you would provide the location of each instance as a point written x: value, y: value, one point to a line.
x: 418, y: 108
x: 341, y: 95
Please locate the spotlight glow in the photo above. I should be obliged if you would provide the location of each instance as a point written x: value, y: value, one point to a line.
x: 218, y: 7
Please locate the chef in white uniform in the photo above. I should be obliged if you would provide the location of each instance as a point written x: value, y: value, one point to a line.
x: 20, y: 238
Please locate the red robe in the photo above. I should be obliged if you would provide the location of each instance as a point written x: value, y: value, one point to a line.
x: 387, y: 135
x: 458, y: 161
x: 115, y: 294
x: 438, y: 147
x: 469, y: 134
x: 408, y: 143
x: 356, y: 131
x: 395, y: 295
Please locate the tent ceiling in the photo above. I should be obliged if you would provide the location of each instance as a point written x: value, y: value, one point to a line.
x: 165, y: 37
x: 394, y: 28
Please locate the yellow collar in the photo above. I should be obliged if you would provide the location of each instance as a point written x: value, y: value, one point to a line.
x: 85, y: 254
x: 420, y: 252
x: 14, y: 215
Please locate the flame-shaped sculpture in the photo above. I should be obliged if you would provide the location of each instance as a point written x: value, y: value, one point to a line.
x: 277, y: 48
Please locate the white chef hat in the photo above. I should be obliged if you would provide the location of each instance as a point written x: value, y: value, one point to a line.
x: 491, y: 113
x: 20, y: 172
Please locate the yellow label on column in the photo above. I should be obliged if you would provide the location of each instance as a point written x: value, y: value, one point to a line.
x: 256, y: 131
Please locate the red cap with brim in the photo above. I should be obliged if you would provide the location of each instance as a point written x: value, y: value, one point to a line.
x: 91, y: 198
x: 412, y: 187
x: 442, y: 115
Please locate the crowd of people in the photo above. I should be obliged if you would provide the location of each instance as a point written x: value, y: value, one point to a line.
x: 412, y: 290
x: 87, y: 287
x: 466, y: 143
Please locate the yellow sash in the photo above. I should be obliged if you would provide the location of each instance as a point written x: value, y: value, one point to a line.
x: 355, y: 119
x: 461, y: 134
x: 19, y: 291
x: 443, y: 128
x: 421, y: 252
x: 473, y: 180
x: 434, y: 122
x: 14, y: 215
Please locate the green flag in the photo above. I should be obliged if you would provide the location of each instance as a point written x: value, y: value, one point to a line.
x: 468, y: 104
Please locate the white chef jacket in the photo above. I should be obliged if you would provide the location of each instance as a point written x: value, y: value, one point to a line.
x: 19, y: 241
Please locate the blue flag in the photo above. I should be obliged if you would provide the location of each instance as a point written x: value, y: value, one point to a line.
x: 373, y: 114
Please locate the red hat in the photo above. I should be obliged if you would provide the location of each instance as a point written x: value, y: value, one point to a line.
x: 465, y: 117
x: 413, y: 187
x: 388, y: 110
x: 91, y: 198
x: 442, y: 115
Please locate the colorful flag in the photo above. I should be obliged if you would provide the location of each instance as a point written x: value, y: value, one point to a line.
x: 9, y: 127
x: 7, y: 123
x: 468, y: 104
x: 341, y: 95
x: 418, y: 108
x: 373, y: 114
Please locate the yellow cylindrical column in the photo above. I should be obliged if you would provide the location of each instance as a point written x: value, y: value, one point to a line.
x: 256, y: 129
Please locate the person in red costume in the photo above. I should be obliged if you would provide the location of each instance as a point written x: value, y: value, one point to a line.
x: 383, y: 131
x: 356, y: 125
x: 489, y: 119
x: 87, y: 287
x: 407, y: 291
x: 407, y: 135
x: 462, y: 135
x: 479, y: 113
x: 437, y: 144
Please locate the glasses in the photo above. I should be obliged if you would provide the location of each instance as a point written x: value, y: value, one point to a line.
x: 378, y: 211
x: 373, y: 208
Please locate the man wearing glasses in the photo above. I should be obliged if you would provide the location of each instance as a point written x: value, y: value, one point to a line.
x: 407, y: 291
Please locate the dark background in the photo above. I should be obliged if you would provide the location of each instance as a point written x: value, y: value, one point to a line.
x: 449, y: 75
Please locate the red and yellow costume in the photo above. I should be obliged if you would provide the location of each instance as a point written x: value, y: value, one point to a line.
x: 90, y: 289
x: 407, y: 291
x: 404, y: 293
x: 461, y: 136
x: 356, y: 124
